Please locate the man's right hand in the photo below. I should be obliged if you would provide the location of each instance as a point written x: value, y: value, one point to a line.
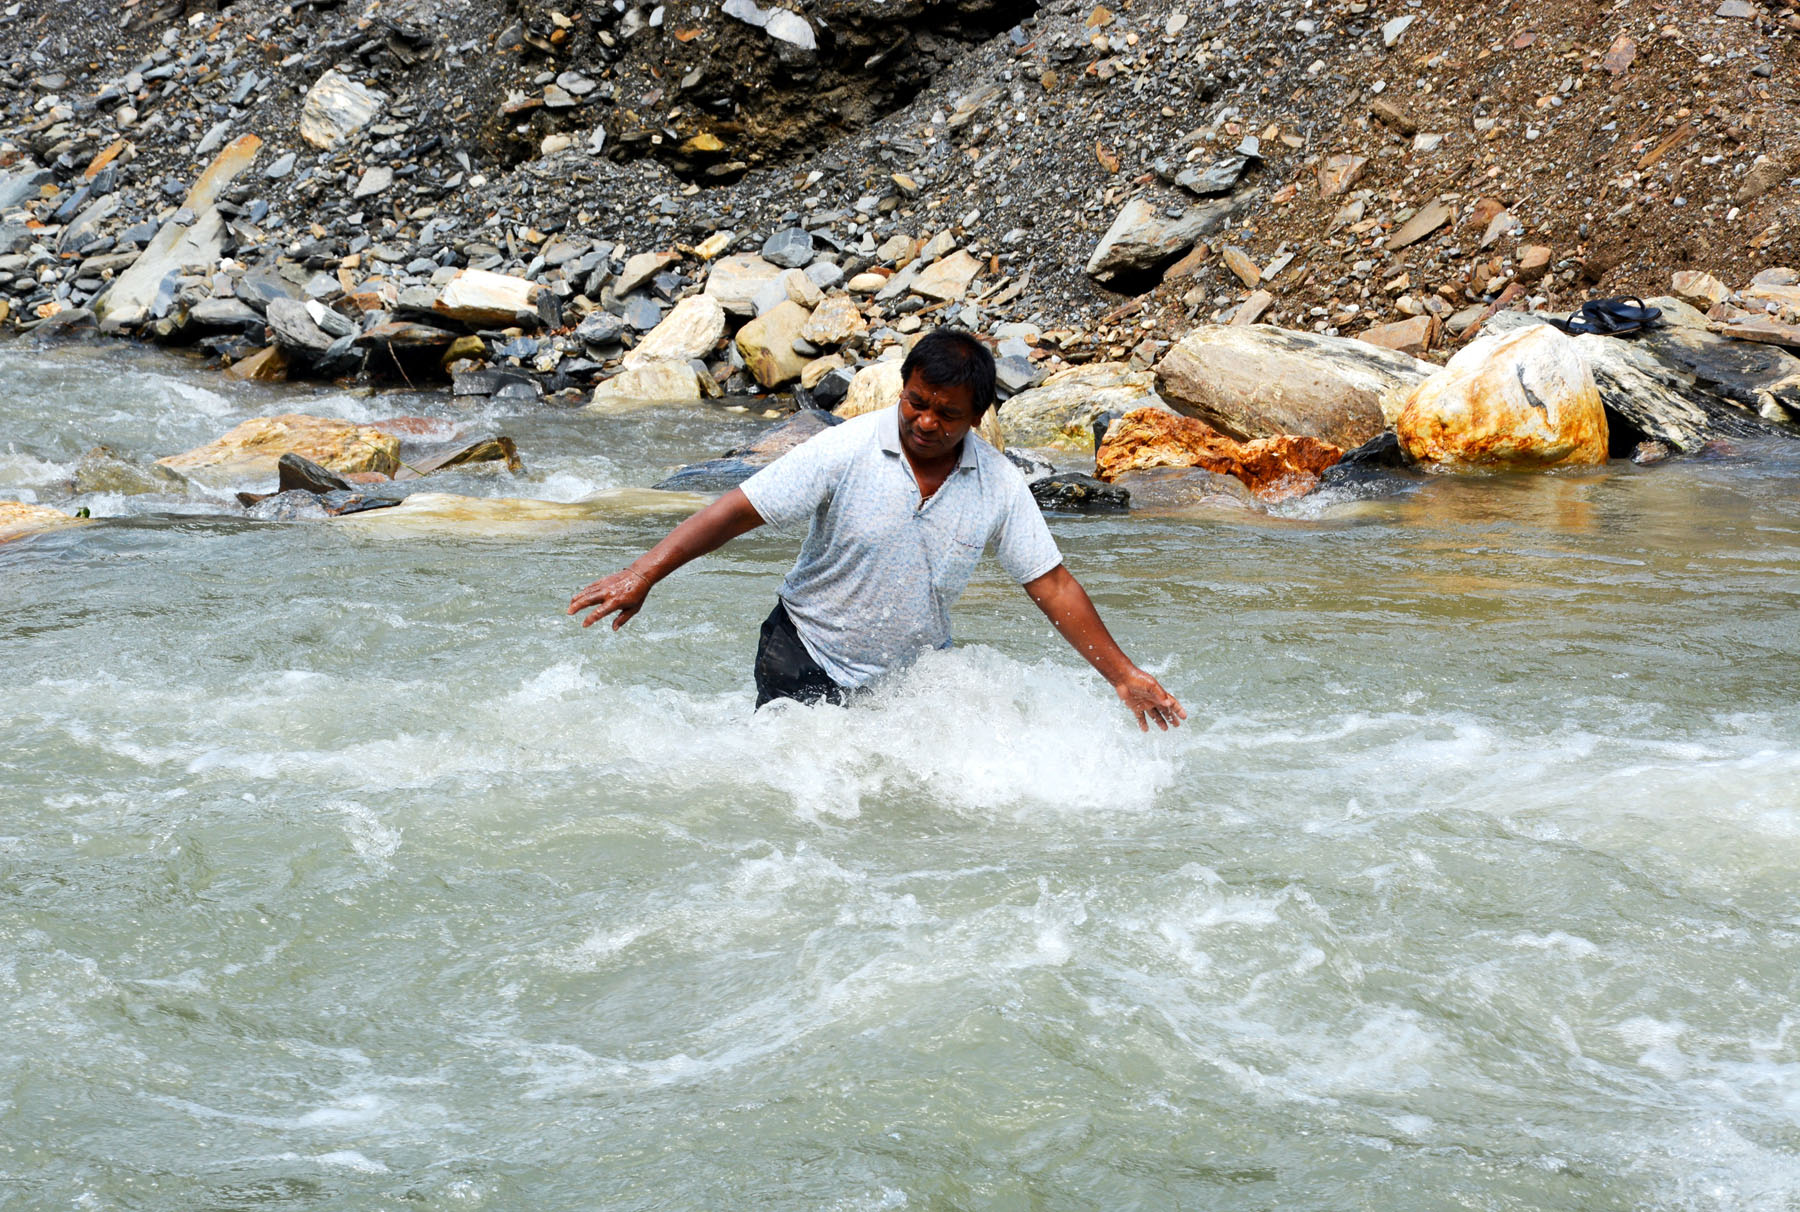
x: 623, y: 591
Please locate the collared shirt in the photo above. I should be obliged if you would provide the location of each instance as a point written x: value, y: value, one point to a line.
x: 880, y: 568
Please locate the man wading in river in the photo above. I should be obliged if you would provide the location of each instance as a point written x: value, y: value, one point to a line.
x: 899, y: 505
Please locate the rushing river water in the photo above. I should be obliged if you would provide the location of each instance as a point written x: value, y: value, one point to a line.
x: 340, y: 870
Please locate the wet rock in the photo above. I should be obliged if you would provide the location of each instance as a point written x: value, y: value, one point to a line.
x: 650, y: 383
x: 335, y: 108
x: 1061, y: 413
x: 1071, y: 492
x: 103, y: 469
x: 791, y: 248
x: 735, y: 466
x: 1260, y: 381
x: 268, y: 365
x: 1274, y: 468
x: 301, y: 505
x: 1380, y: 460
x: 295, y: 472
x: 1523, y: 400
x: 17, y: 519
x: 691, y: 330
x: 499, y: 450
x: 767, y: 344
x: 734, y: 281
x: 252, y: 450
x: 478, y: 297
x: 1142, y: 239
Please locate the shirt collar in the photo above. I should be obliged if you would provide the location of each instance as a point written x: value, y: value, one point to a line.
x: 888, y: 434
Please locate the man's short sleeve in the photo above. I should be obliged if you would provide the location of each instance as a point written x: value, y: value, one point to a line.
x: 1022, y: 542
x: 787, y: 492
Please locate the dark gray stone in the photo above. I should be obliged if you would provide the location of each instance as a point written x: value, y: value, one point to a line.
x: 791, y: 248
x: 1071, y: 492
x: 643, y: 314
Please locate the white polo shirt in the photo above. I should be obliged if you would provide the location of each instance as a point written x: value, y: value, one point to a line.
x: 880, y: 569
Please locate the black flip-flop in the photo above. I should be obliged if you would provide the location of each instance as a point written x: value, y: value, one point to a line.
x: 1609, y: 317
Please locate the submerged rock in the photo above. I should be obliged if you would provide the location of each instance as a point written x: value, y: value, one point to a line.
x: 18, y: 519
x: 1523, y: 400
x: 103, y: 469
x: 1273, y: 468
x: 1178, y: 488
x: 735, y: 466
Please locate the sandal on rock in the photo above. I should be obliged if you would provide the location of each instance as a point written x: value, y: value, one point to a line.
x: 1609, y: 317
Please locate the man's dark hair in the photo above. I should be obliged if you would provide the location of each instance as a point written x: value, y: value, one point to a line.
x: 952, y: 357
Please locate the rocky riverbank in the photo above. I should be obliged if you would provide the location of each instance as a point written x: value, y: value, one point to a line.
x: 1187, y: 206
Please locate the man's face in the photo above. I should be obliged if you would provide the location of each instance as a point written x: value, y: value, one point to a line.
x: 933, y: 419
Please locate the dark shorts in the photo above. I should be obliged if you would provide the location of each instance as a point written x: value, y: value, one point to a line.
x: 785, y: 670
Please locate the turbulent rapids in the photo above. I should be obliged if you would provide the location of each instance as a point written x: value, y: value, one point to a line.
x: 338, y: 869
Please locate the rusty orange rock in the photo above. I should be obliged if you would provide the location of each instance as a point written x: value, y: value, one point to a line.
x: 1522, y: 400
x: 1275, y: 469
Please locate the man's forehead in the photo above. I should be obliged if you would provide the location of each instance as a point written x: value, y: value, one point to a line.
x: 923, y: 390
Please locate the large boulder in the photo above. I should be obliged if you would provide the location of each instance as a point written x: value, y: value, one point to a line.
x: 689, y: 331
x: 1522, y: 400
x: 253, y: 450
x: 1274, y: 468
x: 734, y: 281
x: 1062, y: 411
x: 657, y: 382
x: 1260, y: 381
x: 1680, y: 384
x: 767, y: 343
x: 1142, y: 238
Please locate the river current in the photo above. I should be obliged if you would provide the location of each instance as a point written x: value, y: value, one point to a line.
x: 340, y: 870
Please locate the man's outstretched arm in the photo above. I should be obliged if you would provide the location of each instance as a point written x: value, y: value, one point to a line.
x: 624, y: 591
x: 1066, y: 604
